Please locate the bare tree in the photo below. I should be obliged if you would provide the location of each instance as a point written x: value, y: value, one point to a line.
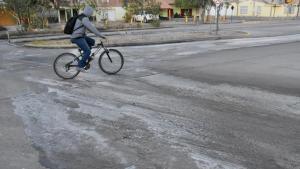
x: 76, y: 4
x: 200, y: 4
x: 227, y: 5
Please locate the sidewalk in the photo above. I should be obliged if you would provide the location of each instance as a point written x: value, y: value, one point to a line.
x: 137, y: 39
x: 55, y: 30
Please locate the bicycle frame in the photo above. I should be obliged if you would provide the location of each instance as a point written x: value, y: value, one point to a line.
x: 99, y: 47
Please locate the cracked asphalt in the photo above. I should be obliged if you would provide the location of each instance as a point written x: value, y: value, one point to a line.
x: 227, y: 104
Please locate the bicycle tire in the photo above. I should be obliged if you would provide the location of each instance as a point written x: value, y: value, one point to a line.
x: 105, y: 56
x: 55, y: 65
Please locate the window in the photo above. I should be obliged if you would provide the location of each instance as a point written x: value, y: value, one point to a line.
x: 289, y: 10
x: 244, y: 10
x: 258, y: 11
x: 279, y: 1
x: 186, y: 12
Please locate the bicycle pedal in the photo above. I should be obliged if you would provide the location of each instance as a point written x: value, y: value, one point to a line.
x: 87, y: 67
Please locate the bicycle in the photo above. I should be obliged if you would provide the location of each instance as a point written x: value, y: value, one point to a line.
x: 110, y: 62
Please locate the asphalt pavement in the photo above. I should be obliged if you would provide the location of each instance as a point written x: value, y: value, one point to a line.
x: 229, y: 104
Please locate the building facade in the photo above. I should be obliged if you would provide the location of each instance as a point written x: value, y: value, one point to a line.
x: 242, y: 8
x: 111, y: 10
x: 265, y: 8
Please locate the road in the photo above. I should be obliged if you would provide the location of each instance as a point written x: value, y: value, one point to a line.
x: 210, y: 104
x: 255, y: 29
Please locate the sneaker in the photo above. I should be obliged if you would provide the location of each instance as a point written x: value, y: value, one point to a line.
x: 81, y: 69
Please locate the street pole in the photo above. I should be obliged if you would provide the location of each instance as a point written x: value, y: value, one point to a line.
x: 298, y: 9
x: 217, y: 8
x: 8, y: 37
x: 232, y: 8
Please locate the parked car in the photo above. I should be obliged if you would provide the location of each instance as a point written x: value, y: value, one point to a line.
x: 2, y: 28
x: 145, y: 17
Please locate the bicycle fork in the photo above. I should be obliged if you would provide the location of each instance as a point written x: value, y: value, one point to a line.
x: 107, y: 52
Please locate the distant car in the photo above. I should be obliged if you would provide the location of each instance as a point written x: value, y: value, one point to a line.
x: 2, y: 28
x: 145, y: 17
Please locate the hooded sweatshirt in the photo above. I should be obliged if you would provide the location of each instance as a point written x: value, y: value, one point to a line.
x: 87, y: 25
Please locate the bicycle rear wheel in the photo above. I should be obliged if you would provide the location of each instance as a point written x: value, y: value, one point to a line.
x: 111, y: 61
x: 65, y: 66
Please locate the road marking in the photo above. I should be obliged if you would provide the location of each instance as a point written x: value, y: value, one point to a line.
x: 204, y: 161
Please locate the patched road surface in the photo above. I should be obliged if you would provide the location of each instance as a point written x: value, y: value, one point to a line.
x: 229, y: 104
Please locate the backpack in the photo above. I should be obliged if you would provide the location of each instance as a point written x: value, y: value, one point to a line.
x: 69, y: 27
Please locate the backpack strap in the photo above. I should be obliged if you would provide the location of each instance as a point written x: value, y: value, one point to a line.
x: 80, y: 17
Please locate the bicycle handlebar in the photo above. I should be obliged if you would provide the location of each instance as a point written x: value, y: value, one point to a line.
x: 101, y: 42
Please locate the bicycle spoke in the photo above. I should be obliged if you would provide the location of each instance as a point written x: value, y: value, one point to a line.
x: 111, y: 62
x: 64, y: 66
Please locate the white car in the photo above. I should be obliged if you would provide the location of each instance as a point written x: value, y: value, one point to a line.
x: 145, y: 17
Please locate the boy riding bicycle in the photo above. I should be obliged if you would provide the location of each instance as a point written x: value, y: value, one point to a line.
x: 80, y: 38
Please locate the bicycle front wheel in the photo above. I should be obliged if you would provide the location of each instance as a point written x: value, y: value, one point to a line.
x: 65, y: 66
x: 111, y: 61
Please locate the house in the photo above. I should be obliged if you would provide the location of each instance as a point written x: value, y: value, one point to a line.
x: 106, y: 9
x: 265, y: 8
x: 242, y: 8
x: 169, y: 10
x: 166, y: 9
x: 111, y: 10
x: 67, y: 9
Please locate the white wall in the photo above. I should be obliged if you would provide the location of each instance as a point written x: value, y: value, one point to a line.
x: 222, y: 12
x: 113, y: 14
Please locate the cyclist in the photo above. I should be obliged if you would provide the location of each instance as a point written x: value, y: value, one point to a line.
x: 80, y: 38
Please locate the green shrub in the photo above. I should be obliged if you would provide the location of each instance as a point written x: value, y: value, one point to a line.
x: 127, y: 17
x: 139, y: 25
x: 155, y: 23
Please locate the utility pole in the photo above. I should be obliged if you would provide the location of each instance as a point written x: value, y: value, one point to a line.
x: 232, y: 8
x: 218, y: 4
x: 298, y: 6
x: 217, y: 29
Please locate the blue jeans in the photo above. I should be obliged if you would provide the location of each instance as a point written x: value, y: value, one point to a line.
x: 85, y: 43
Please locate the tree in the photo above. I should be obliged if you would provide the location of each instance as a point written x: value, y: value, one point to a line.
x: 26, y: 11
x: 41, y: 11
x: 58, y: 3
x: 92, y: 3
x: 77, y: 5
x: 201, y: 5
x: 134, y: 7
x: 151, y: 6
x: 208, y: 9
x: 227, y: 5
x: 17, y: 8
